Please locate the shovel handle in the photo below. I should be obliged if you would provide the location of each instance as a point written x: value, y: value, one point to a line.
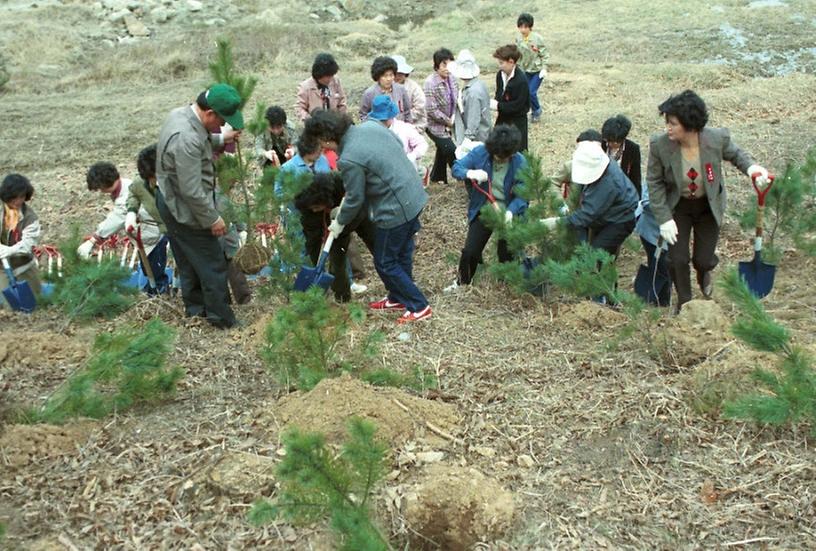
x: 324, y: 252
x: 9, y: 272
x: 761, y: 193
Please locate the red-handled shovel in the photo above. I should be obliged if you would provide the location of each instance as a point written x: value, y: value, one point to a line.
x: 758, y: 275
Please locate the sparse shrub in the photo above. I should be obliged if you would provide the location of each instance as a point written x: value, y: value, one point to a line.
x: 790, y: 395
x: 319, y: 484
x: 127, y: 368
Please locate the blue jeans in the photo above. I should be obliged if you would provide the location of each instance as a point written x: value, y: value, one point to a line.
x: 158, y: 262
x: 394, y: 262
x: 534, y: 82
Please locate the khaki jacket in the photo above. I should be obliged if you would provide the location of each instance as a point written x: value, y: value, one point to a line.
x: 534, y: 55
x: 664, y: 172
x: 185, y: 171
x: 308, y: 98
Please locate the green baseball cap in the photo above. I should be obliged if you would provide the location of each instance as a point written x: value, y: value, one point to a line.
x: 225, y: 100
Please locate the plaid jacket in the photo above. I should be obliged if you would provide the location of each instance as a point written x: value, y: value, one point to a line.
x: 437, y: 106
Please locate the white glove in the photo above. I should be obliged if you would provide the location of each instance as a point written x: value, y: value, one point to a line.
x: 5, y: 251
x: 668, y: 231
x: 478, y: 175
x: 550, y: 223
x: 242, y: 237
x: 336, y: 228
x: 131, y: 222
x: 542, y: 74
x: 761, y: 174
x: 494, y: 105
x: 508, y: 217
x: 564, y: 209
x: 85, y: 250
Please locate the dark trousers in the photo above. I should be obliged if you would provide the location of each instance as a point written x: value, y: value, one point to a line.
x: 658, y: 285
x: 203, y: 269
x: 238, y: 284
x: 394, y: 262
x: 611, y: 237
x: 158, y: 262
x: 477, y: 237
x: 692, y: 215
x: 534, y: 83
x: 444, y: 158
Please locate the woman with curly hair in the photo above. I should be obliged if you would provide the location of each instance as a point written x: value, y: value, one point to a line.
x: 383, y: 73
x: 322, y: 90
x: 687, y: 188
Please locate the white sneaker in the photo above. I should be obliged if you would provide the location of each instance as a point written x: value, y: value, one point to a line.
x: 452, y: 288
x: 358, y: 288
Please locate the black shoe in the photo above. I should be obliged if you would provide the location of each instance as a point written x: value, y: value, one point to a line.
x: 704, y: 281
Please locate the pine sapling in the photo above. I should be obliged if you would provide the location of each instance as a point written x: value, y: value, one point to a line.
x: 222, y: 69
x: 790, y: 395
x: 318, y: 484
x: 128, y: 367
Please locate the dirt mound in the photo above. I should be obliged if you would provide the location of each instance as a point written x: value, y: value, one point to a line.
x: 589, y: 315
x: 700, y: 331
x: 399, y: 416
x: 241, y: 473
x: 32, y: 349
x: 456, y: 507
x: 24, y: 444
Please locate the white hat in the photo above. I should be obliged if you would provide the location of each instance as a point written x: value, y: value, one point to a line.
x: 466, y: 147
x: 465, y: 66
x: 588, y: 162
x: 402, y: 65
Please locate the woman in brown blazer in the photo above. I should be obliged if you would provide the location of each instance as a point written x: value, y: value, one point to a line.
x: 686, y: 187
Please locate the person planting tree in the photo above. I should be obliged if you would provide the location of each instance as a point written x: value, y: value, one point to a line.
x: 19, y: 232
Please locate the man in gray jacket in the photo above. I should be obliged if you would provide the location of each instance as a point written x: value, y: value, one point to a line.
x: 186, y: 200
x: 378, y: 176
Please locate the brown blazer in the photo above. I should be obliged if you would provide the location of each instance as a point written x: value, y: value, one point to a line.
x: 308, y: 98
x: 664, y: 171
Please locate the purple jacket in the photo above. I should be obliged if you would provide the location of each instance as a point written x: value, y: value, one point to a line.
x: 440, y: 101
x: 399, y: 95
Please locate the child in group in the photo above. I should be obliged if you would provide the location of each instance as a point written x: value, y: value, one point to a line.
x: 512, y: 92
x: 533, y: 60
x: 493, y: 169
x: 142, y: 195
x: 104, y: 178
x: 275, y: 145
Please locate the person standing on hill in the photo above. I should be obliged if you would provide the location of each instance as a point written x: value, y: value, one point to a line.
x: 473, y: 118
x: 322, y: 91
x: 187, y: 199
x: 415, y: 93
x: 440, y: 95
x: 621, y: 149
x: 512, y: 92
x: 533, y: 60
x: 383, y: 73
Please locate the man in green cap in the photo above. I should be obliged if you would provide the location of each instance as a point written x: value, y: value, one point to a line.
x: 186, y: 199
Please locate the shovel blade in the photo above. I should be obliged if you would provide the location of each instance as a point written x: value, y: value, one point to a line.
x: 306, y: 278
x: 20, y: 297
x: 758, y: 276
x: 324, y: 281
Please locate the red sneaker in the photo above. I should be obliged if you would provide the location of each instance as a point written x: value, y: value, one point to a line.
x: 386, y: 304
x: 409, y: 317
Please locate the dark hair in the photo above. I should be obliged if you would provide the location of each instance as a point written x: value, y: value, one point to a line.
x: 326, y: 189
x: 382, y: 65
x: 327, y: 125
x: 306, y: 145
x: 688, y: 107
x: 14, y: 186
x: 146, y: 162
x: 276, y: 116
x: 615, y: 129
x: 589, y: 135
x: 324, y: 65
x: 508, y: 51
x: 503, y: 141
x: 440, y: 55
x: 101, y: 175
x: 201, y: 101
x: 525, y: 19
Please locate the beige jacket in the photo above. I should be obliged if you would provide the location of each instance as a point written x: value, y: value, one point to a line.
x: 309, y: 99
x: 664, y: 173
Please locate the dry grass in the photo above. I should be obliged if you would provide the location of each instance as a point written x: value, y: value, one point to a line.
x: 626, y: 452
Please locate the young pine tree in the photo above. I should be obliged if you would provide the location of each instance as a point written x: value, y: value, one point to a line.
x: 128, y: 367
x: 790, y: 391
x: 318, y: 484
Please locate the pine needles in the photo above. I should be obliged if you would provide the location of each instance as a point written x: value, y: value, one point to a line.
x: 127, y: 368
x: 790, y: 395
x: 317, y: 484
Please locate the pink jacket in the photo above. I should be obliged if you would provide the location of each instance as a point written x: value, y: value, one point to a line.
x: 309, y: 98
x: 413, y: 143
